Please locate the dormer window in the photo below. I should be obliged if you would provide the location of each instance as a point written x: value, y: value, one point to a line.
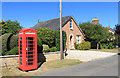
x: 71, y: 24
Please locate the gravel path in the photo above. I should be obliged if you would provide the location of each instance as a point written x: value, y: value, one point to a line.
x: 87, y: 55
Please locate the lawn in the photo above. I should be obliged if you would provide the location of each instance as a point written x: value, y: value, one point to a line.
x: 47, y: 66
x: 106, y: 50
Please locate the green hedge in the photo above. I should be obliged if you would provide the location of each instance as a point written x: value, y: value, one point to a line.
x: 53, y: 49
x: 45, y: 48
x: 109, y: 45
x: 57, y: 39
x: 5, y: 42
x: 13, y: 41
x: 85, y: 45
x: 13, y: 51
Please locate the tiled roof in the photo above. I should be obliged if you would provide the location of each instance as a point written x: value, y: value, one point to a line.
x: 53, y: 24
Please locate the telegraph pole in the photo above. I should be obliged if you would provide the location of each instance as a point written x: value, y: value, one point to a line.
x: 61, y: 39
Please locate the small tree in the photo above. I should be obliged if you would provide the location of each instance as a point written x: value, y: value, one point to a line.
x: 13, y: 27
x: 95, y: 33
x: 47, y: 36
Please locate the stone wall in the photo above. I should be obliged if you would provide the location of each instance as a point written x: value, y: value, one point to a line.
x: 14, y: 60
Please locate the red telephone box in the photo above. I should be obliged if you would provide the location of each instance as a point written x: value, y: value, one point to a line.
x: 27, y: 49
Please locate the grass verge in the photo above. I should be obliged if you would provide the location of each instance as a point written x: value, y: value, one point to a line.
x: 106, y: 50
x: 47, y: 66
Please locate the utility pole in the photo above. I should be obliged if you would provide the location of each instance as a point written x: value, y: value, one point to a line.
x: 61, y: 39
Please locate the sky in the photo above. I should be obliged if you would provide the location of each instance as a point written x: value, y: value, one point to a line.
x: 28, y: 13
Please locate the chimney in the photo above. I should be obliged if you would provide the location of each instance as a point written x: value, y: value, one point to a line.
x: 38, y: 21
x: 95, y: 21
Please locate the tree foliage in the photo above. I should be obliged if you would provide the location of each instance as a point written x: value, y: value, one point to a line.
x: 13, y: 26
x: 9, y: 27
x: 3, y: 27
x: 46, y: 35
x: 57, y: 39
x: 95, y: 33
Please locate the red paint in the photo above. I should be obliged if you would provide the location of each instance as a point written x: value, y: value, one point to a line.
x: 27, y: 49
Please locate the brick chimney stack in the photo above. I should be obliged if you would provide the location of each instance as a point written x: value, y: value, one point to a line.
x: 95, y: 21
x: 38, y: 21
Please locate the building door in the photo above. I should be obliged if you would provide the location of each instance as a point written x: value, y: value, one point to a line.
x: 71, y: 45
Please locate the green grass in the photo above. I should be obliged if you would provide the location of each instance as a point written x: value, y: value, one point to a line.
x: 106, y: 50
x: 47, y: 66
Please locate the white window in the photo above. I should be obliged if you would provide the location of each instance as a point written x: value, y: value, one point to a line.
x: 71, y: 24
x: 78, y: 39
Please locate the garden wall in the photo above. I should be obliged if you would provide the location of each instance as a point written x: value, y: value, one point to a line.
x: 14, y: 60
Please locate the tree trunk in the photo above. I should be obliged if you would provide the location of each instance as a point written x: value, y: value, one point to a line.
x: 97, y: 46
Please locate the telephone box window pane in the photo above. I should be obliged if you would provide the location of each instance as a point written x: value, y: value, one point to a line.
x: 21, y: 63
x: 29, y: 49
x: 30, y: 60
x: 30, y: 52
x: 30, y: 38
x: 20, y: 41
x: 30, y: 42
x: 20, y: 59
x: 30, y: 45
x: 30, y: 63
x: 30, y: 56
x: 20, y: 38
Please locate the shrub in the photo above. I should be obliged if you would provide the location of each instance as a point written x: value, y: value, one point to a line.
x: 45, y: 48
x: 53, y: 49
x: 46, y: 35
x: 85, y: 45
x: 76, y: 45
x: 13, y: 51
x: 5, y: 42
x: 13, y: 41
x: 57, y: 39
x: 109, y: 45
x: 39, y: 45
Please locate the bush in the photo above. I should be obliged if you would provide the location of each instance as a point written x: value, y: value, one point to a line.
x: 39, y: 45
x: 13, y: 51
x: 5, y: 42
x: 53, y: 49
x: 85, y: 45
x: 76, y: 45
x: 57, y: 39
x: 46, y: 35
x: 13, y: 41
x: 109, y: 45
x: 45, y: 48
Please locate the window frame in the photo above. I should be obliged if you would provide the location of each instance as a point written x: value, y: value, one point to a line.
x: 71, y: 24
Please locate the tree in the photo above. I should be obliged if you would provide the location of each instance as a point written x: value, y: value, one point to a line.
x: 3, y: 27
x: 13, y: 27
x: 117, y: 34
x: 95, y: 33
x: 47, y: 36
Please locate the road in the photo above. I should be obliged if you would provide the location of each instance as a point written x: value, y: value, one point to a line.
x: 102, y: 67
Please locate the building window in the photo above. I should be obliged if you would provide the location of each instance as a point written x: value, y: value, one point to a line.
x: 78, y: 39
x: 71, y: 24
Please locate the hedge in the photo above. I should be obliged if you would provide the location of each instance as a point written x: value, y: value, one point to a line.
x: 85, y: 45
x: 53, y: 49
x: 13, y: 41
x: 57, y: 39
x: 13, y: 51
x: 5, y: 42
x: 45, y: 48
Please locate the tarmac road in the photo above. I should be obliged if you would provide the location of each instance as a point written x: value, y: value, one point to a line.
x: 102, y: 67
